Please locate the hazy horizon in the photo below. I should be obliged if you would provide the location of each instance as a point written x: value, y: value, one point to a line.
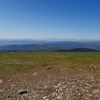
x: 48, y: 39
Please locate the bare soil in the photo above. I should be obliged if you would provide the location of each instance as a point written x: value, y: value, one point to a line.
x: 51, y: 83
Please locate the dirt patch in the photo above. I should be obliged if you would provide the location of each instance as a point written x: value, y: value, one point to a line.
x: 51, y: 83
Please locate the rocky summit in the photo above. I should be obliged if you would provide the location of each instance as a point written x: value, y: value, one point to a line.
x: 51, y: 84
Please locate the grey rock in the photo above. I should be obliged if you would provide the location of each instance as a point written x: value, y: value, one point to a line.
x: 21, y: 92
x: 1, y: 90
x: 35, y: 74
x: 1, y: 82
x: 96, y: 91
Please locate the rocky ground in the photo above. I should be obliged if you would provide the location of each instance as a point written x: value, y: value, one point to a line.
x: 51, y: 83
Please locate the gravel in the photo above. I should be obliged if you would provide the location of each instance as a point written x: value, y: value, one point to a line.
x: 52, y: 84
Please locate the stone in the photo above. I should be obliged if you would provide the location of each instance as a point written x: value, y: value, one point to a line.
x: 44, y: 97
x: 96, y: 91
x: 64, y: 86
x: 21, y: 92
x: 90, y: 95
x: 60, y: 97
x: 35, y: 74
x: 1, y: 82
x: 45, y: 86
x: 1, y: 90
x: 59, y: 84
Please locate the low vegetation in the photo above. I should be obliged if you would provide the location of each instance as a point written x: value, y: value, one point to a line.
x: 23, y: 61
x: 49, y: 76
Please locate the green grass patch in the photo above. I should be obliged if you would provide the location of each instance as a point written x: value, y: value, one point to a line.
x: 21, y: 61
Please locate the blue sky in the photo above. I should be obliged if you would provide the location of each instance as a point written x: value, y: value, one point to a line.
x: 50, y: 19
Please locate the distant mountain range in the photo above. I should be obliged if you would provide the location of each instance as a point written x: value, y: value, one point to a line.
x: 47, y: 45
x: 79, y: 50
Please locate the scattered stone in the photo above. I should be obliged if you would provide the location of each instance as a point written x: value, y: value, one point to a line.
x: 12, y: 85
x: 93, y: 70
x: 49, y: 68
x: 90, y: 95
x: 60, y: 97
x: 96, y: 91
x: 64, y: 85
x: 44, y: 97
x: 21, y: 92
x: 1, y: 82
x: 9, y: 96
x: 35, y: 74
x: 1, y: 90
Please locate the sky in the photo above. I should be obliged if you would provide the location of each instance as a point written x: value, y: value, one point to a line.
x: 77, y: 19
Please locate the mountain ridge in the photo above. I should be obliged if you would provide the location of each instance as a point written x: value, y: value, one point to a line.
x: 44, y: 46
x: 79, y: 50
